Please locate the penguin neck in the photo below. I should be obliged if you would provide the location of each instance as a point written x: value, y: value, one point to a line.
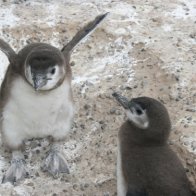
x: 135, y: 136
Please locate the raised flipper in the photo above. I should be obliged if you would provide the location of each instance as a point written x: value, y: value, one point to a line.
x: 83, y: 33
x: 8, y: 51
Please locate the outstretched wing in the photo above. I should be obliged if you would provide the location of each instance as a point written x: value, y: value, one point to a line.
x: 8, y: 51
x: 83, y: 33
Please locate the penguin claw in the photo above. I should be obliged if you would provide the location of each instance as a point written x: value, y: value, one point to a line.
x: 55, y: 163
x: 16, y: 172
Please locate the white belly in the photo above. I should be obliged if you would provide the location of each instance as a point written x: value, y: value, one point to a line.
x: 30, y: 114
x: 121, y: 186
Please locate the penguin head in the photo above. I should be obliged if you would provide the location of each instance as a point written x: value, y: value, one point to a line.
x: 44, y: 66
x: 146, y: 114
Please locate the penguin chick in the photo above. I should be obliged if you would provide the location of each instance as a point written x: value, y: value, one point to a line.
x: 146, y: 166
x: 36, y: 101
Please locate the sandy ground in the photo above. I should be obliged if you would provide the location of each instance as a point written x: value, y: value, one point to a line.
x: 142, y: 48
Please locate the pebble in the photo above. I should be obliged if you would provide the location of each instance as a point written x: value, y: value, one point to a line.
x: 189, y: 118
x: 113, y: 111
x: 37, y: 174
x: 86, y: 185
x: 109, y: 96
x: 193, y: 145
x: 86, y: 106
x: 30, y: 184
x: 186, y: 126
x: 37, y: 151
x: 72, y: 63
x: 75, y: 186
x: 186, y: 143
x: 191, y: 110
x: 82, y: 188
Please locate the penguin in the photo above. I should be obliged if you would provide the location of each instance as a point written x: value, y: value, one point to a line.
x: 146, y: 166
x: 36, y: 101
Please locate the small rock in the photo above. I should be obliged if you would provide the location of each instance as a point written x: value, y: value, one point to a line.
x: 82, y: 188
x: 191, y: 110
x: 177, y: 78
x: 75, y: 186
x: 101, y: 122
x: 193, y: 145
x: 37, y: 151
x: 186, y: 143
x: 37, y: 174
x: 186, y: 126
x: 86, y: 185
x: 72, y: 63
x: 86, y: 106
x: 113, y: 111
x: 30, y: 184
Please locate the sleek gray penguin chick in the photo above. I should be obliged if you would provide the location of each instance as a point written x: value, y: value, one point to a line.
x: 146, y: 166
x: 36, y: 101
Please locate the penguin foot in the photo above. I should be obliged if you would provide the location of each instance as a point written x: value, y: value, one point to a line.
x: 16, y: 172
x: 55, y: 163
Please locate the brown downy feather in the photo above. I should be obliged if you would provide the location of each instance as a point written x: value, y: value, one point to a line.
x: 17, y: 61
x: 149, y: 166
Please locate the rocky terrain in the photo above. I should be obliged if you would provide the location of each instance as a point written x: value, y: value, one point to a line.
x: 142, y: 48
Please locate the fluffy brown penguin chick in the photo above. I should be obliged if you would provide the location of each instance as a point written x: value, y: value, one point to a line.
x: 36, y: 101
x: 146, y: 165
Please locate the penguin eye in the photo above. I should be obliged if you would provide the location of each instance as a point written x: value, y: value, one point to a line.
x: 139, y: 112
x: 53, y: 71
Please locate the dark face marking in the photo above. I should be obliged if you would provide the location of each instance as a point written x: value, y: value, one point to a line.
x: 53, y: 71
x: 41, y: 62
x: 136, y: 107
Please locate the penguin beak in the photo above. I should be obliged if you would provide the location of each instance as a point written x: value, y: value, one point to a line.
x: 39, y: 81
x: 122, y: 100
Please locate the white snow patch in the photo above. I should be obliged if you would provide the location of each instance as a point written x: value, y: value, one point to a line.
x: 188, y: 142
x: 167, y: 28
x: 120, y: 31
x: 185, y: 11
x: 51, y: 19
x: 7, y: 18
x: 80, y: 79
x: 124, y: 9
x: 21, y: 191
x: 98, y: 68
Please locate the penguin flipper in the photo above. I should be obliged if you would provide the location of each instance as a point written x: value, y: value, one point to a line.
x: 8, y: 51
x: 83, y: 33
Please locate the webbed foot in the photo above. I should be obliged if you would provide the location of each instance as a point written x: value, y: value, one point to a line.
x: 55, y: 163
x: 16, y: 172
